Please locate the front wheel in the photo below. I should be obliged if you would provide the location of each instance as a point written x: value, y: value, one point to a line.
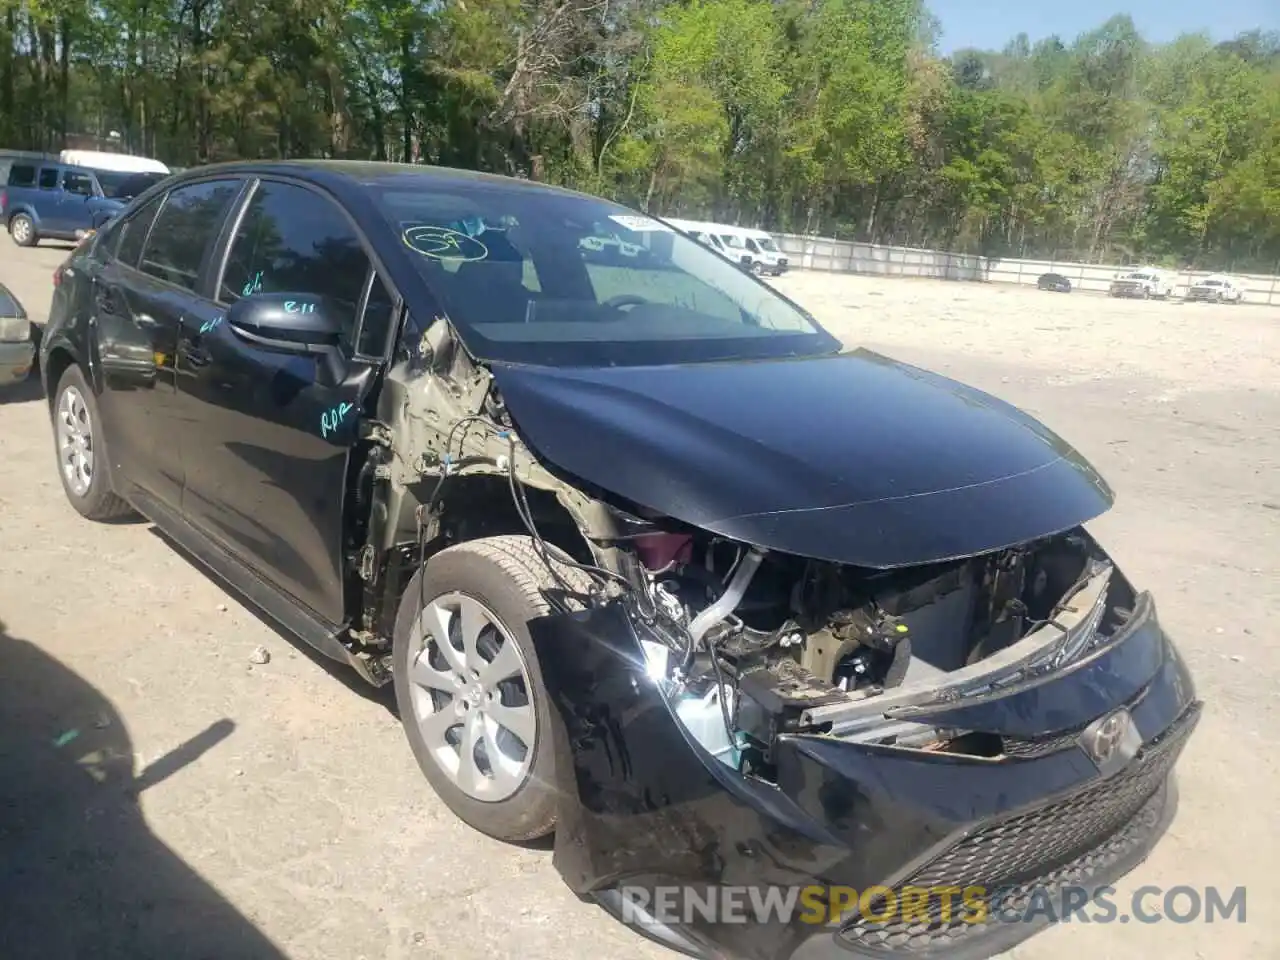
x: 23, y: 230
x: 468, y: 684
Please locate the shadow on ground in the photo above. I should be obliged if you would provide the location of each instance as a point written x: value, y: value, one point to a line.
x: 22, y: 392
x: 81, y: 875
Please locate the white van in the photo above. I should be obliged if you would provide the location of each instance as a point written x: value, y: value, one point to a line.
x: 121, y: 176
x: 754, y: 250
x: 702, y: 232
x: 118, y: 162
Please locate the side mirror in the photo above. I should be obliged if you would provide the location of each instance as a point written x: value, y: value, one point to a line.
x: 297, y: 323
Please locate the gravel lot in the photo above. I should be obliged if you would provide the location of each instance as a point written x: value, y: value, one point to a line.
x: 279, y: 812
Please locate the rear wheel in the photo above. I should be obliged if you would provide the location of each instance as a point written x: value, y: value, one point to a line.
x: 23, y: 230
x: 82, y: 450
x: 469, y: 687
x: 757, y: 268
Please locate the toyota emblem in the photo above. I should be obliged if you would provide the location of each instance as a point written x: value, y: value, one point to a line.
x: 1111, y: 740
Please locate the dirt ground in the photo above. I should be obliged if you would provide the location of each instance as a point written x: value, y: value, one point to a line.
x: 279, y: 811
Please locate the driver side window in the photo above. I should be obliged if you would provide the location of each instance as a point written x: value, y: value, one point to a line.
x: 294, y: 240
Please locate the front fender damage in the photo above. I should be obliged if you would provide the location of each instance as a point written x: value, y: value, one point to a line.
x: 645, y: 807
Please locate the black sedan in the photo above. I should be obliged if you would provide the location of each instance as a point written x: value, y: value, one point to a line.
x: 648, y: 558
x: 1055, y: 282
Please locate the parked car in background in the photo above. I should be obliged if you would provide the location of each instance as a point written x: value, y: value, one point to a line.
x: 754, y: 250
x: 1218, y: 288
x: 121, y: 175
x: 17, y: 339
x: 53, y: 201
x: 704, y: 233
x: 1055, y: 282
x: 1144, y: 283
x: 57, y: 200
x: 650, y: 559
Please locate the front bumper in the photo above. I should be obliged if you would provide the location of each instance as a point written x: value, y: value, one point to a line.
x: 1129, y: 290
x: 646, y: 808
x: 16, y: 360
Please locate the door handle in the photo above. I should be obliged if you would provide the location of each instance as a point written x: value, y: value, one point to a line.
x: 194, y: 352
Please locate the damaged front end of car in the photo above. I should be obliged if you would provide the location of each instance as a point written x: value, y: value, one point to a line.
x: 813, y: 661
x: 1007, y: 722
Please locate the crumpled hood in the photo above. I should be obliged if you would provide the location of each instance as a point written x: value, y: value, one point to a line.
x: 853, y: 458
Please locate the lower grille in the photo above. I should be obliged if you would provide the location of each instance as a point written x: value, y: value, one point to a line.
x: 1068, y: 842
x: 1027, y: 749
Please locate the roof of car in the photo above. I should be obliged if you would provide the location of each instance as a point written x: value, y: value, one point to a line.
x: 370, y: 173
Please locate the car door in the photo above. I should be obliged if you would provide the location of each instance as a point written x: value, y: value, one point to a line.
x: 76, y: 201
x: 267, y: 462
x: 144, y: 286
x: 46, y: 200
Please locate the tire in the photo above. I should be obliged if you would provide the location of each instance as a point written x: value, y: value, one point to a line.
x: 23, y: 230
x: 75, y: 415
x: 757, y: 268
x: 508, y: 583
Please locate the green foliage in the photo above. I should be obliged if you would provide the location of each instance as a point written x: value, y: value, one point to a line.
x: 825, y: 116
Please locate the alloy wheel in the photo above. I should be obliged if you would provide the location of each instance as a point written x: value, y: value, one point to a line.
x: 21, y: 229
x: 75, y: 441
x: 471, y: 697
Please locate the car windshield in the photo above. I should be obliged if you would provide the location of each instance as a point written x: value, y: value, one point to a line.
x: 539, y: 276
x: 125, y: 184
x: 1211, y: 283
x: 766, y: 243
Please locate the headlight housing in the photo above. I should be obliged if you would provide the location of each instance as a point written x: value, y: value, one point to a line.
x: 15, y: 329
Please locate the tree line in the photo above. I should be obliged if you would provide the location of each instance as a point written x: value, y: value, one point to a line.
x: 831, y: 117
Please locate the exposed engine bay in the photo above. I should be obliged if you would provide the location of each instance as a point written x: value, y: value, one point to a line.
x: 750, y: 643
x: 759, y: 644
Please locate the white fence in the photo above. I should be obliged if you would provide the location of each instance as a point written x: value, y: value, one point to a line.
x: 846, y: 256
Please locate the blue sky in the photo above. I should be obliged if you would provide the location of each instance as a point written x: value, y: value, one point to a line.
x: 990, y: 24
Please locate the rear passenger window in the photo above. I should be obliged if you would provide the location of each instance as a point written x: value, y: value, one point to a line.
x: 49, y: 178
x: 184, y: 230
x: 133, y: 233
x: 294, y: 240
x: 22, y: 175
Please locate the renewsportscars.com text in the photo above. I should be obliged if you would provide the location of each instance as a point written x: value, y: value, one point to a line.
x: 822, y: 905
